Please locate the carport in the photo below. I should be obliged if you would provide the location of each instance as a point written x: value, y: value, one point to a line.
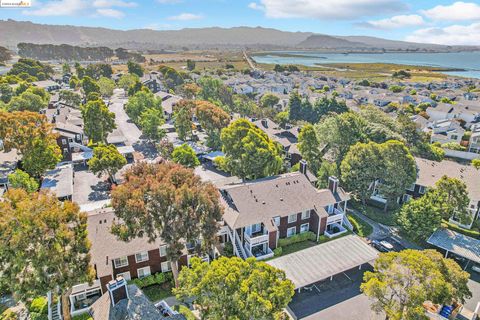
x: 456, y: 243
x: 323, y: 261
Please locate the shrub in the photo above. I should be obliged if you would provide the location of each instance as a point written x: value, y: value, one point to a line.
x: 38, y: 316
x: 157, y: 278
x: 453, y: 146
x: 297, y: 238
x: 278, y: 251
x: 83, y: 316
x: 39, y: 305
x: 456, y: 228
x: 8, y: 315
x: 228, y: 249
x: 180, y: 308
x: 396, y: 88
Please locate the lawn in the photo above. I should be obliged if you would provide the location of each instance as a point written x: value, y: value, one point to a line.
x: 180, y: 308
x: 158, y: 292
x: 297, y: 247
x: 362, y: 228
x: 388, y: 218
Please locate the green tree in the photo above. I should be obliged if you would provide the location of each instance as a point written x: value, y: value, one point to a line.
x: 325, y: 105
x: 70, y: 98
x: 28, y: 101
x: 66, y: 68
x: 249, y: 152
x: 106, y: 160
x: 282, y: 118
x: 169, y: 202
x: 402, y: 281
x: 269, y: 100
x: 476, y: 163
x: 183, y: 112
x: 220, y: 288
x: 244, y: 105
x: 43, y: 244
x: 150, y: 122
x: 327, y: 169
x: 127, y: 80
x: 360, y: 168
x: 185, y: 156
x: 339, y: 132
x: 215, y: 91
x: 399, y: 170
x: 419, y: 218
x: 135, y: 68
x: 450, y: 196
x: 98, y: 121
x: 190, y: 65
x: 89, y: 85
x: 140, y: 102
x: 295, y: 106
x: 6, y: 92
x: 43, y: 154
x: 309, y: 147
x: 106, y: 86
x: 213, y: 119
x: 22, y: 180
x: 165, y: 148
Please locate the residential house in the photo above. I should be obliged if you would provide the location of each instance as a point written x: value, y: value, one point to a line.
x: 59, y: 181
x: 474, y: 143
x: 429, y: 172
x: 8, y: 164
x: 168, y: 103
x: 258, y: 213
x: 48, y: 85
x: 152, y: 81
x: 445, y: 131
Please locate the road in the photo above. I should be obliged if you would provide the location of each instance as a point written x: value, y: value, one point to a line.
x: 249, y: 61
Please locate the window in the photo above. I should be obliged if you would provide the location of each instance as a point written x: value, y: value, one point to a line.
x: 304, y: 227
x: 125, y: 275
x: 163, y: 251
x: 143, y: 272
x: 292, y: 218
x: 291, y: 231
x: 412, y: 187
x: 454, y: 137
x: 276, y: 220
x: 306, y: 214
x: 422, y: 190
x: 120, y: 262
x: 142, y: 256
x: 64, y: 141
x: 406, y: 197
x: 166, y: 266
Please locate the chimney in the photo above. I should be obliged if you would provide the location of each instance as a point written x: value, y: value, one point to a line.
x: 303, y: 166
x: 117, y: 289
x: 333, y: 183
x: 265, y: 123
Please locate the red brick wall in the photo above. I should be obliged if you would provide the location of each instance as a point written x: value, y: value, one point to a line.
x: 284, y: 225
x: 272, y: 239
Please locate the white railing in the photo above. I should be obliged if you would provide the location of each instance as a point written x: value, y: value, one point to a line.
x: 256, y: 240
x: 336, y: 218
x: 267, y: 255
x: 347, y: 223
x: 204, y: 258
x: 238, y: 241
x: 342, y: 230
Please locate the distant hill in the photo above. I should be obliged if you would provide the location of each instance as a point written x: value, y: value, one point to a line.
x: 14, y: 32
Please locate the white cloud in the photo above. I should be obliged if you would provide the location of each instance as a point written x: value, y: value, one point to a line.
x: 111, y: 13
x: 451, y: 35
x: 328, y: 9
x: 113, y: 3
x: 256, y: 6
x: 169, y: 1
x: 458, y: 11
x: 103, y: 8
x: 158, y: 26
x: 412, y: 20
x: 186, y: 17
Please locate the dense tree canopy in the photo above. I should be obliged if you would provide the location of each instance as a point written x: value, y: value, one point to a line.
x: 402, y: 281
x: 249, y: 152
x: 106, y: 86
x: 128, y: 80
x: 22, y: 180
x: 419, y: 218
x: 212, y: 119
x: 169, y: 202
x: 215, y: 91
x: 183, y: 112
x: 135, y: 68
x: 269, y: 100
x: 89, y: 86
x: 185, y: 156
x: 140, y: 102
x: 70, y: 98
x: 43, y: 244
x: 30, y: 100
x: 232, y: 288
x: 31, y: 67
x: 98, y: 121
x: 106, y: 160
x: 150, y: 121
x: 309, y: 147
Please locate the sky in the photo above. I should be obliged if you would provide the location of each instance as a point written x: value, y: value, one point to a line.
x: 441, y: 21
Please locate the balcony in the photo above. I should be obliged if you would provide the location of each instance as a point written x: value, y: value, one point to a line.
x: 260, y: 252
x: 256, y: 238
x: 336, y: 216
x: 334, y: 230
x: 83, y: 296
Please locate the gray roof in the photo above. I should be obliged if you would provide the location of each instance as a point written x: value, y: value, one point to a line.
x: 430, y: 172
x: 263, y: 199
x: 106, y: 246
x: 457, y: 243
x: 136, y: 307
x: 324, y: 260
x: 59, y: 181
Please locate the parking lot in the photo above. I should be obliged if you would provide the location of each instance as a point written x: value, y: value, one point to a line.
x: 336, y: 299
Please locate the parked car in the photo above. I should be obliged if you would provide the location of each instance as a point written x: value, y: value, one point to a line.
x: 382, y: 245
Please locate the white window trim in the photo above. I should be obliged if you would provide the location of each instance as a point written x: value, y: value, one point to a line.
x: 292, y: 215
x: 122, y: 265
x: 294, y: 232
x: 168, y: 268
x: 276, y: 220
x: 305, y: 224
x: 422, y: 190
x: 125, y: 275
x: 306, y: 215
x: 137, y: 260
x: 145, y: 275
x: 160, y: 250
x: 412, y: 187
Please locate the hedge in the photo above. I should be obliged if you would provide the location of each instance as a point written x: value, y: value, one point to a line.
x: 297, y: 238
x: 39, y: 305
x: 83, y: 316
x: 360, y: 227
x: 277, y: 251
x: 467, y: 232
x: 157, y: 278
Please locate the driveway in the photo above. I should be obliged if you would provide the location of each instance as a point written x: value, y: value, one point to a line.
x: 339, y: 299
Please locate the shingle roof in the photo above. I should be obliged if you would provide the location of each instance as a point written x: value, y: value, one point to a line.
x: 106, y: 246
x: 261, y: 200
x: 430, y: 172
